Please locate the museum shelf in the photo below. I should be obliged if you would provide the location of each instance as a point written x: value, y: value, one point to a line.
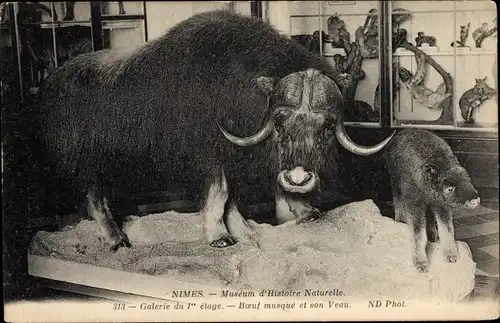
x: 106, y: 24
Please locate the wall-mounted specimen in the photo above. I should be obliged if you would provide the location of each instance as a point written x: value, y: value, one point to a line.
x: 415, y: 83
x: 464, y: 34
x: 367, y: 35
x: 339, y: 36
x: 473, y: 98
x: 482, y: 32
x: 423, y: 39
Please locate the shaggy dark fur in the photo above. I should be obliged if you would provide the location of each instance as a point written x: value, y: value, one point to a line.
x: 429, y: 186
x: 118, y: 122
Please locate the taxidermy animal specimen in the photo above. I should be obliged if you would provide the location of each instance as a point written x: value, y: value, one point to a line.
x: 399, y: 38
x: 69, y: 9
x: 473, y: 98
x: 286, y: 115
x: 464, y: 34
x: 339, y: 36
x: 367, y: 35
x: 311, y: 42
x: 415, y: 83
x: 483, y: 32
x: 429, y: 187
x: 422, y: 38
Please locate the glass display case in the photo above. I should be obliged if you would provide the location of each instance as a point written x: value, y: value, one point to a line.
x: 47, y: 34
x: 346, y: 33
x: 446, y: 53
x: 437, y: 60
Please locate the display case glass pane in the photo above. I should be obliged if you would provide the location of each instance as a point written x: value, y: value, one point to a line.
x: 128, y: 8
x: 7, y: 51
x: 349, y: 34
x: 49, y: 34
x: 123, y: 25
x: 445, y: 57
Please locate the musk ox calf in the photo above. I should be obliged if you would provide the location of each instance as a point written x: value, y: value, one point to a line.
x: 187, y: 108
x: 429, y: 186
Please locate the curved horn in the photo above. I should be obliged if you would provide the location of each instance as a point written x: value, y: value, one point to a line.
x: 354, y: 148
x: 263, y: 133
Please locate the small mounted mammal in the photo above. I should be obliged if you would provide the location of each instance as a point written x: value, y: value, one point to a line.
x: 422, y: 38
x: 483, y: 32
x: 429, y: 187
x: 473, y: 98
x: 464, y: 34
x: 415, y: 83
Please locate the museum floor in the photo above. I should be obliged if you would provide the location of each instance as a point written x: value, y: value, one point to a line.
x: 479, y: 229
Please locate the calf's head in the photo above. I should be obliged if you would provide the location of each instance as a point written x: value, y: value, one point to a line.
x: 305, y: 109
x: 454, y: 186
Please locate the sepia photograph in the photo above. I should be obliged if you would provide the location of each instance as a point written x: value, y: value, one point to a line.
x: 247, y: 161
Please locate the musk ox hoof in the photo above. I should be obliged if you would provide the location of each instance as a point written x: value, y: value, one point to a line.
x: 422, y: 265
x: 450, y: 255
x: 119, y: 240
x: 310, y: 216
x: 223, y: 242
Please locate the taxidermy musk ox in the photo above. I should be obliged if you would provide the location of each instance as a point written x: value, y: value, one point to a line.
x: 429, y: 186
x: 185, y: 107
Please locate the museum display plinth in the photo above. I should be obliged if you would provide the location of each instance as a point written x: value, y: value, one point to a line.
x: 353, y: 249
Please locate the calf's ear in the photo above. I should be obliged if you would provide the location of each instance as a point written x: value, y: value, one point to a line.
x: 266, y: 84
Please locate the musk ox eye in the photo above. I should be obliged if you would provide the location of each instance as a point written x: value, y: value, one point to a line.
x: 449, y: 189
x: 280, y: 116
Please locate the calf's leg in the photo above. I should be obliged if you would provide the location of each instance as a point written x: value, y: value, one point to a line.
x: 98, y: 209
x: 213, y: 212
x: 446, y: 230
x: 432, y: 230
x: 414, y: 215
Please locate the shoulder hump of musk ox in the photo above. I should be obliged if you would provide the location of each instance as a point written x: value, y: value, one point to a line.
x: 218, y: 40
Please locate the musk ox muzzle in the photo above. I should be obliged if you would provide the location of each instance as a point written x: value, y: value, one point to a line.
x: 303, y: 109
